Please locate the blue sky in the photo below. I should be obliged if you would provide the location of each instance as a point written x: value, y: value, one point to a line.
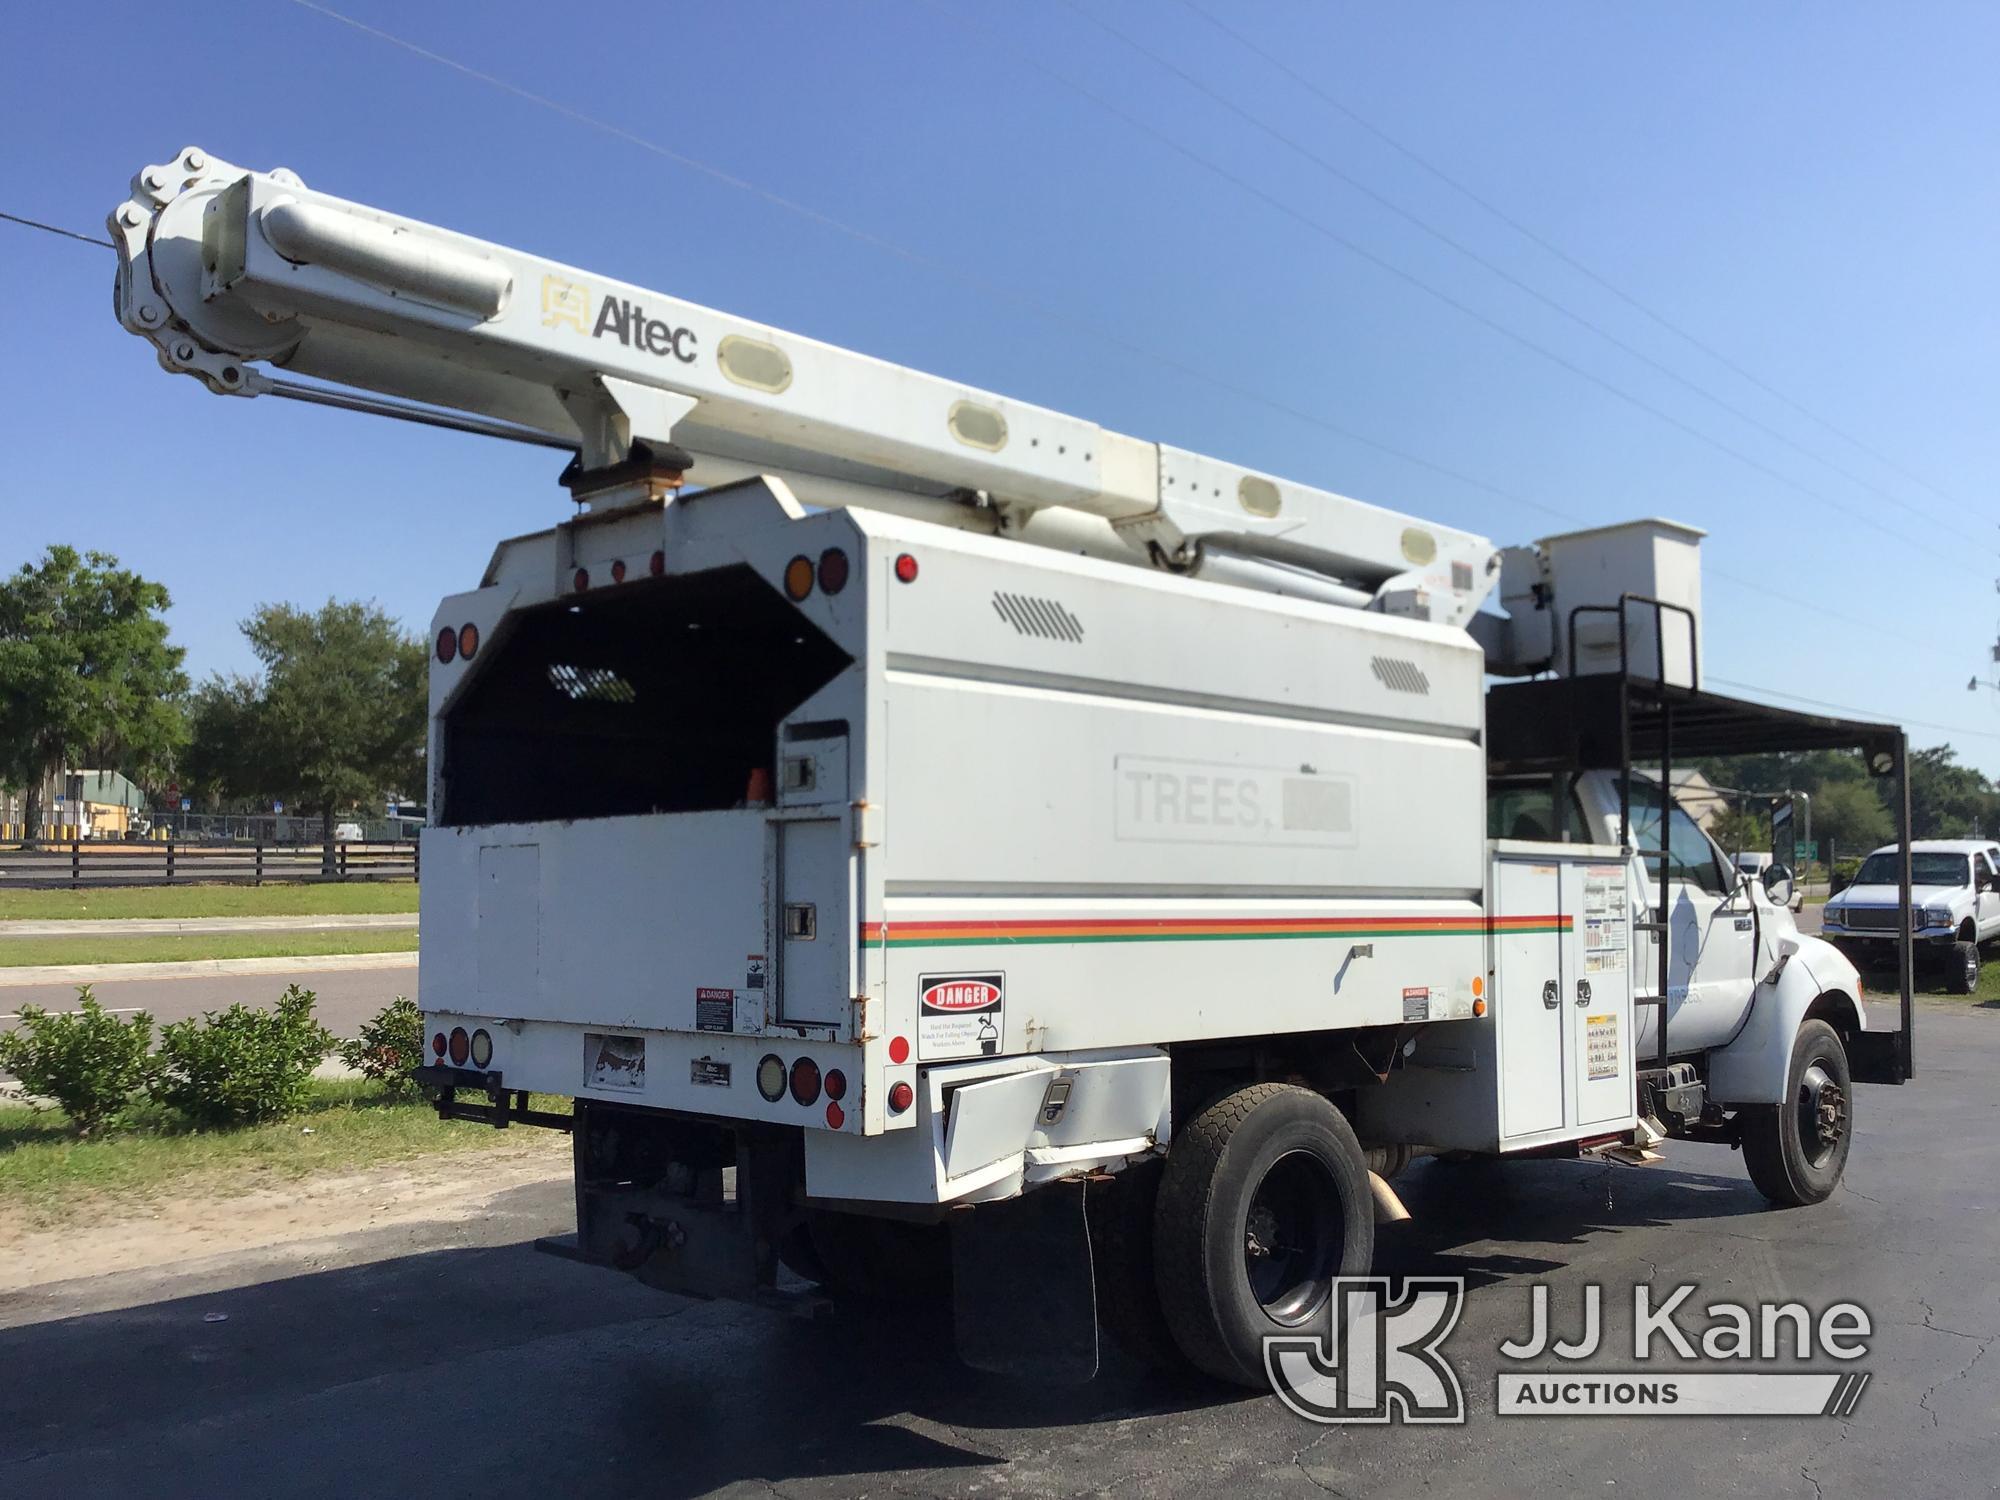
x: 1808, y: 190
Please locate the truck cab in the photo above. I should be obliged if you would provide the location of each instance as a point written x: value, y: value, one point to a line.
x: 1727, y: 928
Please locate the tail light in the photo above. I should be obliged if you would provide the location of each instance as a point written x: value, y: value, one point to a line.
x: 771, y: 1077
x: 836, y: 1084
x: 582, y: 579
x: 835, y: 1116
x: 447, y: 644
x: 437, y: 1044
x: 482, y: 1048
x: 618, y: 571
x: 901, y: 1097
x: 805, y: 1081
x: 657, y: 564
x: 468, y: 641
x: 461, y: 1046
x: 906, y: 569
x: 832, y: 571
x: 798, y: 578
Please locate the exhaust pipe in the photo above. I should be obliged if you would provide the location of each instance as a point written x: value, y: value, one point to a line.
x: 1388, y: 1207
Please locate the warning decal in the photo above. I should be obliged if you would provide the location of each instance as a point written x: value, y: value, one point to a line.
x: 1601, y: 1046
x: 1417, y: 1004
x: 714, y: 1010
x: 960, y: 1015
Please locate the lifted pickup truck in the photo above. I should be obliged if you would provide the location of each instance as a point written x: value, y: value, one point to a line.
x: 1954, y: 907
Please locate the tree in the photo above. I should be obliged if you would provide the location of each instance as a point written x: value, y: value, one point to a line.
x: 336, y: 718
x: 1949, y: 800
x: 86, y: 673
x: 1852, y: 815
x: 1738, y: 829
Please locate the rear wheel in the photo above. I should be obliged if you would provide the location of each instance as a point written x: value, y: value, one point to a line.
x: 1797, y: 1150
x: 1264, y: 1201
x: 1962, y: 968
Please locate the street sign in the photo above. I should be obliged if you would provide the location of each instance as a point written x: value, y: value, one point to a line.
x: 187, y: 804
x: 277, y: 807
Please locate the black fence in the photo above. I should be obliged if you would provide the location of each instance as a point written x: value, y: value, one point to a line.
x: 106, y: 863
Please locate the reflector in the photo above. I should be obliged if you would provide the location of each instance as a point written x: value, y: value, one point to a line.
x: 901, y: 1097
x: 798, y: 578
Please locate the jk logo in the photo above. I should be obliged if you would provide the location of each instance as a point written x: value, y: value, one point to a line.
x: 1378, y: 1359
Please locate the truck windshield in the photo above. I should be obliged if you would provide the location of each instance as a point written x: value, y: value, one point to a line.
x: 1925, y: 869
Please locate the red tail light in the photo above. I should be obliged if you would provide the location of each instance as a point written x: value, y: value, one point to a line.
x: 658, y: 564
x: 618, y: 571
x: 461, y: 1046
x: 836, y: 1084
x: 906, y: 569
x: 805, y: 1081
x: 901, y: 1097
x: 582, y: 579
x: 835, y: 1116
x: 447, y: 644
x: 832, y: 571
x: 437, y: 1044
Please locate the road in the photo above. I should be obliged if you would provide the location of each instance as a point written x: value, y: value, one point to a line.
x: 347, y: 997
x: 403, y: 1359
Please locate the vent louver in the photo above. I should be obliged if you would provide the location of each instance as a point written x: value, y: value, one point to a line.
x: 1039, y: 617
x: 1400, y: 676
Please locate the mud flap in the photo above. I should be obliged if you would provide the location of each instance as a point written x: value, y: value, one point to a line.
x: 1023, y: 1301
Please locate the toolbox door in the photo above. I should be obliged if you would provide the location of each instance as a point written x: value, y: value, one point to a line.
x: 1529, y: 986
x: 815, y: 927
x: 1599, y: 995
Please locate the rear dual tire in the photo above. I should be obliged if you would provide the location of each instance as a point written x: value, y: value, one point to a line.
x: 1263, y: 1201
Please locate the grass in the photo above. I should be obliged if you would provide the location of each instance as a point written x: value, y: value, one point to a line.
x: 333, y: 898
x: 173, y: 946
x: 46, y: 1174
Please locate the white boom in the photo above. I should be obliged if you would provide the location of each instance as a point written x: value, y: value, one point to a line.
x: 221, y: 268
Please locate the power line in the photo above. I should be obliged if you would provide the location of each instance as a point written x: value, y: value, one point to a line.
x: 1194, y: 82
x: 1557, y: 251
x: 68, y: 234
x: 1384, y: 264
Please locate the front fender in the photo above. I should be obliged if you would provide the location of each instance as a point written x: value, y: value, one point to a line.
x: 1812, y: 978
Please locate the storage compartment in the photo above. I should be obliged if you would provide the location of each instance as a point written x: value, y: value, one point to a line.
x: 1552, y: 1058
x: 661, y: 696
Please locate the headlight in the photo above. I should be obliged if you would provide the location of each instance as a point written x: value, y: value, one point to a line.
x: 1937, y: 916
x: 1832, y: 916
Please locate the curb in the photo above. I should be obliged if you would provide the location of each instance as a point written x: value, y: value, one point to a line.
x: 199, y: 968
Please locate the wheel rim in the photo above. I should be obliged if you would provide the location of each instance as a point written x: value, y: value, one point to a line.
x: 1292, y: 1237
x: 1822, y: 1114
x: 1972, y: 969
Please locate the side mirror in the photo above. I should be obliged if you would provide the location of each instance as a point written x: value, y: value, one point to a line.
x: 1778, y: 885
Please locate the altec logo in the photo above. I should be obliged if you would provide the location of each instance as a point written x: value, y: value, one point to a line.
x: 962, y: 993
x: 569, y: 302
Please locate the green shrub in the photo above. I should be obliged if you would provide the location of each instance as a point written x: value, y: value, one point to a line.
x: 239, y: 1066
x: 391, y: 1043
x: 87, y: 1060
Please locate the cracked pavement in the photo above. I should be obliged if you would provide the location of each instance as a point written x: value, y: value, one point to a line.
x: 454, y: 1354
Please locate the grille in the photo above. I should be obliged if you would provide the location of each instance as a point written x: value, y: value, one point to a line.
x: 1400, y: 676
x: 1038, y: 617
x: 1872, y: 919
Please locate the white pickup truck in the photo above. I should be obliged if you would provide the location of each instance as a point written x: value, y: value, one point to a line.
x: 1954, y: 907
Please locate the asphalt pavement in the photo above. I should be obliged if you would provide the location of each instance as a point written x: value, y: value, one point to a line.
x: 347, y: 996
x: 457, y: 1356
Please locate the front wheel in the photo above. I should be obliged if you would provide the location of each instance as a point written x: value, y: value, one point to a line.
x: 1796, y: 1151
x: 1265, y: 1200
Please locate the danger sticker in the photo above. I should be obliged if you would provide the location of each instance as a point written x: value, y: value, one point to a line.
x: 960, y: 1015
x: 714, y: 1010
x: 1417, y: 1004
